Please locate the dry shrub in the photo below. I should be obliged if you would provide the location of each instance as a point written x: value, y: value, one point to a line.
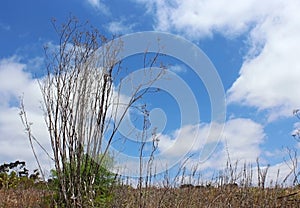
x: 31, y: 197
x: 209, y: 197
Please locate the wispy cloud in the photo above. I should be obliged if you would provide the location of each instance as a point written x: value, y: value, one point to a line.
x: 4, y: 26
x: 178, y: 68
x: 120, y: 27
x: 100, y: 6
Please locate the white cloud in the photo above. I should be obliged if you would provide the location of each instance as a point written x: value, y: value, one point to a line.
x: 100, y: 6
x: 269, y: 75
x: 188, y: 138
x: 196, y: 18
x: 241, y: 139
x: 119, y: 27
x: 178, y: 68
x: 14, y: 144
x: 270, y: 80
x: 14, y: 81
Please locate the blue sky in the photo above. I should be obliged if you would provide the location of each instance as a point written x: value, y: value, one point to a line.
x: 253, y: 45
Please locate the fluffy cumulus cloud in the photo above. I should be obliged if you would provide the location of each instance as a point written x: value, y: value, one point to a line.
x: 241, y: 140
x: 183, y: 140
x: 14, y: 81
x: 14, y: 144
x: 268, y: 78
x: 201, y: 18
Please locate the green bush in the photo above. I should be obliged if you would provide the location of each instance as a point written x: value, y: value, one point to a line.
x: 15, y: 175
x: 104, y: 180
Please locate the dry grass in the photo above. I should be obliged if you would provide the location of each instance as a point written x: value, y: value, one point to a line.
x: 169, y: 197
x: 209, y: 197
x: 19, y: 198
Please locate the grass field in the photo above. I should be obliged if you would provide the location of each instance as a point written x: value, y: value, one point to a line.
x: 200, y: 196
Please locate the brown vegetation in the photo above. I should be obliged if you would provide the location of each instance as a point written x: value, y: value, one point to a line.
x: 20, y: 197
x: 211, y: 197
x: 171, y: 197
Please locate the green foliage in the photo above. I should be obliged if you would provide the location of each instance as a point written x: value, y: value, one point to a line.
x: 12, y: 176
x: 12, y: 180
x: 104, y: 183
x: 9, y: 180
x: 103, y: 180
